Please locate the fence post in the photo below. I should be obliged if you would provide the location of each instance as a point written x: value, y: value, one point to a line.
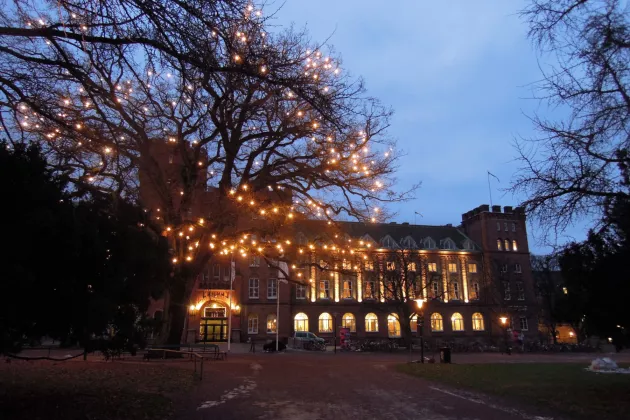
x: 201, y: 370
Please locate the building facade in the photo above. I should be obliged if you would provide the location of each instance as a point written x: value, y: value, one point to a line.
x: 468, y: 276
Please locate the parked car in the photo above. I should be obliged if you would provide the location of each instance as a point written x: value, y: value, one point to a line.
x: 307, y: 340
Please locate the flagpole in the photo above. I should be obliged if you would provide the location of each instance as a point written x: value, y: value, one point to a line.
x: 489, y: 189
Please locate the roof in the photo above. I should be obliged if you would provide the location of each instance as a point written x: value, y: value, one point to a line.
x: 391, y: 235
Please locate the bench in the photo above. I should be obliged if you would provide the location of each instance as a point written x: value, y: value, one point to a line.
x: 212, y: 350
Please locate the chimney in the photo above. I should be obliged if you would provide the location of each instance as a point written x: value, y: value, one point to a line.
x: 496, y: 209
x: 484, y: 207
x: 449, y: 225
x: 406, y: 223
x: 507, y: 209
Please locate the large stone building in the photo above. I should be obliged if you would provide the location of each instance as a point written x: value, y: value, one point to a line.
x: 469, y: 276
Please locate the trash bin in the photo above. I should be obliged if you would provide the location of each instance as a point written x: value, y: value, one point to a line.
x: 445, y: 355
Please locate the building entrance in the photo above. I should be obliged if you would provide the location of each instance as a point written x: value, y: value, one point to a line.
x: 213, y: 325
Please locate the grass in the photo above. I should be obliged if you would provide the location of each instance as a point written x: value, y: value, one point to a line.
x: 564, y: 388
x: 89, y: 390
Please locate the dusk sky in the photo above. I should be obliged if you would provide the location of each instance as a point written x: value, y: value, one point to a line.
x: 458, y: 75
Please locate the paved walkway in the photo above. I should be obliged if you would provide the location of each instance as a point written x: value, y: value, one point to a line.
x: 317, y: 386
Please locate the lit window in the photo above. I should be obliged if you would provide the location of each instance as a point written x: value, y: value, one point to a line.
x: 413, y: 323
x: 499, y: 245
x: 457, y: 322
x: 272, y: 289
x: 524, y: 325
x: 253, y: 288
x: 393, y: 326
x: 252, y: 324
x: 506, y: 291
x: 346, y: 264
x: 452, y: 268
x: 254, y: 261
x: 271, y: 324
x: 300, y: 322
x: 472, y: 268
x: 477, y: 322
x: 455, y: 290
x: 514, y: 245
x: 348, y: 321
x: 513, y: 227
x: 369, y: 265
x: 371, y: 323
x: 325, y: 322
x: 517, y: 268
x: 435, y: 289
x: 411, y: 266
x: 432, y: 267
x: 369, y: 289
x: 324, y: 289
x: 300, y: 291
x: 565, y: 290
x: 347, y: 289
x: 520, y: 290
x: 390, y: 265
x: 437, y: 323
x: 507, y: 244
x: 475, y: 291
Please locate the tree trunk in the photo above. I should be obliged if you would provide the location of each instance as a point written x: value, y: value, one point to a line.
x: 176, y: 302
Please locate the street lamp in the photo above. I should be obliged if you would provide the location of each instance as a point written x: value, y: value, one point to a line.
x: 278, y: 311
x: 420, y: 327
x: 504, y: 320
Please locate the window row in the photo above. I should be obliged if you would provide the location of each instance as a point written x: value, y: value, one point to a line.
x: 507, y: 291
x: 371, y: 290
x: 348, y: 320
x: 504, y: 245
x: 505, y: 226
x: 252, y: 324
x: 517, y: 268
x: 254, y: 288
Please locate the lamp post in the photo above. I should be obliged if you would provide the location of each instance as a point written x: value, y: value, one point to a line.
x: 420, y: 327
x: 278, y: 311
x: 503, y: 320
x: 335, y: 315
x: 229, y: 337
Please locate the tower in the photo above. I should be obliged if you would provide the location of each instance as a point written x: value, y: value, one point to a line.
x: 502, y: 235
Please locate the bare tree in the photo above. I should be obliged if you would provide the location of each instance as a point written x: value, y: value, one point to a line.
x: 578, y: 165
x: 259, y: 128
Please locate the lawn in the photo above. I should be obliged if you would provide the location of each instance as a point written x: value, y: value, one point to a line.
x: 564, y: 388
x: 89, y: 390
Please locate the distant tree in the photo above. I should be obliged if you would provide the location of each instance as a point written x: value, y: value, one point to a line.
x: 595, y: 273
x: 579, y: 163
x: 550, y: 288
x: 74, y: 268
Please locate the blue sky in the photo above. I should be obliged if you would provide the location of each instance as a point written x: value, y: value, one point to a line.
x: 458, y: 75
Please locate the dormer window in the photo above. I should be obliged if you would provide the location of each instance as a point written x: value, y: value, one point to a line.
x: 389, y: 242
x: 448, y: 244
x: 428, y: 243
x: 409, y: 243
x: 468, y: 245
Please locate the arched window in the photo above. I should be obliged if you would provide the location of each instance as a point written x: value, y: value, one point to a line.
x: 252, y: 324
x: 507, y: 244
x: 514, y: 245
x: 300, y: 322
x: 371, y: 323
x: 413, y: 323
x: 272, y: 324
x: 325, y: 322
x: 393, y: 326
x: 428, y: 243
x: 448, y: 244
x: 348, y: 321
x: 477, y: 321
x: 457, y: 322
x: 409, y: 243
x: 389, y: 242
x: 499, y: 245
x: 436, y: 322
